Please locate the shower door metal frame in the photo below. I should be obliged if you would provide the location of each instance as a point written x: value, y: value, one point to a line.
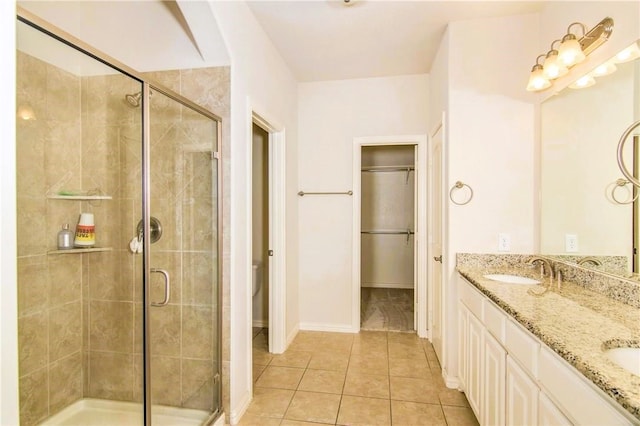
x: 147, y: 84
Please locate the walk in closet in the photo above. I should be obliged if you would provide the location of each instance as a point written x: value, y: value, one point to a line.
x: 387, y: 238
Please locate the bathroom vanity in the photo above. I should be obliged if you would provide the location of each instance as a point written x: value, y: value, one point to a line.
x: 544, y: 359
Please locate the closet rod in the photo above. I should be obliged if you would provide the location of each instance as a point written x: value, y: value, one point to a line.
x: 388, y: 169
x: 389, y: 232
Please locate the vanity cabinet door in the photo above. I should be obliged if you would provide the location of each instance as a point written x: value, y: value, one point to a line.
x: 549, y: 414
x: 493, y: 395
x: 474, y: 366
x: 463, y: 326
x: 521, y: 397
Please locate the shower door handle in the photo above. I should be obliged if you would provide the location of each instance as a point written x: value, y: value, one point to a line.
x: 438, y: 258
x: 167, y: 286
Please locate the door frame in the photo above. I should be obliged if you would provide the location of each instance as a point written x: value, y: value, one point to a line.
x: 421, y: 224
x: 277, y: 235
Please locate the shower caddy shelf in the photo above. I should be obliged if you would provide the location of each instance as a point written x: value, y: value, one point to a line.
x: 81, y: 250
x: 80, y: 197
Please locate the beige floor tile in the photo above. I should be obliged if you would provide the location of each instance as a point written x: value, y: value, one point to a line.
x: 270, y: 402
x: 370, y: 336
x: 280, y: 377
x: 417, y: 368
x: 369, y: 363
x: 369, y: 385
x: 406, y: 338
x: 406, y: 351
x: 313, y: 407
x: 322, y: 381
x: 370, y: 347
x: 252, y: 420
x: 452, y: 397
x: 261, y: 357
x: 414, y: 390
x: 290, y: 358
x: 355, y: 410
x: 257, y: 371
x: 459, y: 416
x: 414, y: 413
x: 329, y: 361
x: 286, y: 422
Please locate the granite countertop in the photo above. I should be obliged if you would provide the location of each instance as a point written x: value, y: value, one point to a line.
x: 576, y: 323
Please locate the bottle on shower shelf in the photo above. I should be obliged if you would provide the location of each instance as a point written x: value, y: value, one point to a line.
x: 65, y: 238
x: 85, y: 231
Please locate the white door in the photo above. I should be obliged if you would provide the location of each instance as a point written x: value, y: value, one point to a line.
x: 521, y: 396
x: 436, y: 243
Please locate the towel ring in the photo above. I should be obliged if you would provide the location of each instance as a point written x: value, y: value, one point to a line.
x: 460, y: 185
x: 623, y: 139
x: 620, y: 183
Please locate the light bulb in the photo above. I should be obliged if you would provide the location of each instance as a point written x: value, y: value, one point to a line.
x: 537, y: 80
x: 604, y: 69
x: 570, y: 51
x: 630, y: 53
x: 552, y: 67
x: 582, y: 82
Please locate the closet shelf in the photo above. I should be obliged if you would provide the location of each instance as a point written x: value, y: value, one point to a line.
x: 81, y: 250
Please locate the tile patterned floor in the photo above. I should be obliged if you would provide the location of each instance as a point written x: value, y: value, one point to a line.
x: 370, y: 378
x: 388, y: 309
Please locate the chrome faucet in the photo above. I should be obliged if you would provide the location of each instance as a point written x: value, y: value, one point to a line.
x: 592, y: 260
x: 546, y: 265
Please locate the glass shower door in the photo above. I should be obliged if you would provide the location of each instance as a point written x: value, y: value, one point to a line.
x: 182, y: 259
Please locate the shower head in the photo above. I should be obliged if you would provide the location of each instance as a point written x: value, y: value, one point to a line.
x: 133, y: 99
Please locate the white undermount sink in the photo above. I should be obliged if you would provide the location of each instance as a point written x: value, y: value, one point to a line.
x: 512, y: 279
x: 627, y: 358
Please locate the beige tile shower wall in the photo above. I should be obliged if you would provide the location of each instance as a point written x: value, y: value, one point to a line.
x: 49, y: 286
x: 111, y: 165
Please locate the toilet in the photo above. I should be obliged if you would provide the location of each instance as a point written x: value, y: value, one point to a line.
x: 256, y: 277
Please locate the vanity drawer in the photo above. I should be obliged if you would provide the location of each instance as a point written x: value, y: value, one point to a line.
x: 471, y: 297
x: 581, y: 400
x: 522, y: 346
x: 495, y: 320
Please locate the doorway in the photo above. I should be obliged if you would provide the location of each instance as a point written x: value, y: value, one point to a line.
x: 389, y: 234
x: 387, y: 271
x: 268, y: 156
x: 260, y: 235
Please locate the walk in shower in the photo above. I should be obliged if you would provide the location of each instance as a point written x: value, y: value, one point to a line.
x: 127, y: 330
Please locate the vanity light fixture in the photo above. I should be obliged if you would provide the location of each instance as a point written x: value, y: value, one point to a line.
x: 553, y: 67
x: 583, y: 82
x: 605, y: 69
x: 537, y: 80
x: 609, y: 67
x: 570, y: 52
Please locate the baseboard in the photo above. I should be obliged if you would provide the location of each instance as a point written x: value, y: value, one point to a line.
x: 452, y: 382
x: 388, y: 285
x: 237, y: 413
x: 292, y: 335
x: 327, y: 327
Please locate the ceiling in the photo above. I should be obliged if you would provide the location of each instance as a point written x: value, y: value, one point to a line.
x: 328, y: 40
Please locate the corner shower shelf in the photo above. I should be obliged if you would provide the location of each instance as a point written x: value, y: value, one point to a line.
x: 80, y: 197
x: 81, y: 250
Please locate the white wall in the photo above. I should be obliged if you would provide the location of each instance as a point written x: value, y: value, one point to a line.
x: 261, y: 81
x: 260, y: 228
x: 331, y: 114
x: 8, y: 278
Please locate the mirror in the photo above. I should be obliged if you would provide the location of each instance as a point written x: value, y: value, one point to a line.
x: 585, y: 211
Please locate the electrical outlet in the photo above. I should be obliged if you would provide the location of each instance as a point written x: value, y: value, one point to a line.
x: 504, y: 242
x: 570, y: 243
